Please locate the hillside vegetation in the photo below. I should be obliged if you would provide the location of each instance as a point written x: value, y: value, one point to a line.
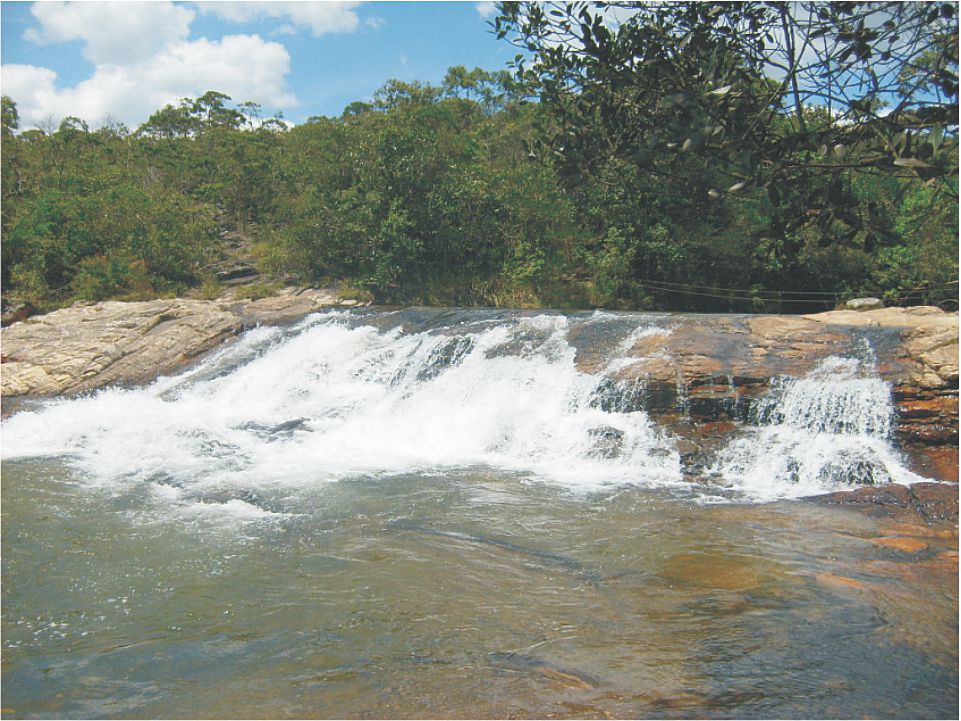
x: 694, y: 182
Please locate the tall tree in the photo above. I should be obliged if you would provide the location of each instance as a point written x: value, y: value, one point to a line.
x: 774, y: 93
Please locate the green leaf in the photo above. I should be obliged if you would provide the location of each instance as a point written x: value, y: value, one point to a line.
x: 720, y: 92
x: 670, y: 101
x: 914, y: 163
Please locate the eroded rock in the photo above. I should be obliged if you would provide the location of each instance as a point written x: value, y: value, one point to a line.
x: 90, y: 346
x: 927, y: 502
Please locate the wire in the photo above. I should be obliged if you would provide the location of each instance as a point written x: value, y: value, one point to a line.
x: 834, y: 296
x: 758, y: 293
x: 734, y: 297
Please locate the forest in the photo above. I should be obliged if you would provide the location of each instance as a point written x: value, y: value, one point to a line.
x: 737, y: 157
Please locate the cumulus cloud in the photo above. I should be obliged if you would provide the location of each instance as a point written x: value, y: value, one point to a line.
x: 486, y: 9
x: 244, y: 67
x: 319, y: 17
x: 112, y: 32
x: 142, y: 61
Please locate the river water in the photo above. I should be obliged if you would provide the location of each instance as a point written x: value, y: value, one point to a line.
x: 435, y: 514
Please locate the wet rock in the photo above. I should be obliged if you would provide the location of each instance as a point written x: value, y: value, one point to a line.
x: 900, y: 543
x: 938, y: 462
x: 892, y: 494
x: 520, y: 662
x: 607, y: 442
x: 711, y: 402
x: 936, y: 501
x: 855, y: 471
x: 924, y: 502
x: 714, y: 367
x: 844, y: 583
x: 710, y: 570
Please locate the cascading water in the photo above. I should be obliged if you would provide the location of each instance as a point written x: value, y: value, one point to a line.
x: 333, y: 398
x: 827, y: 430
x: 346, y: 395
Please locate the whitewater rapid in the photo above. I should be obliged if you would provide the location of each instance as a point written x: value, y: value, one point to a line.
x: 343, y: 395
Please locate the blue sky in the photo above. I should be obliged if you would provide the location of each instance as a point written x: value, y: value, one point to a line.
x: 120, y: 61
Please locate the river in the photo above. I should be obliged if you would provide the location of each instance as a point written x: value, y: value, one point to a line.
x: 424, y: 514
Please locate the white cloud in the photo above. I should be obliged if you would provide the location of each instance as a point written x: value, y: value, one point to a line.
x: 320, y: 17
x: 486, y: 9
x: 244, y: 67
x: 112, y: 32
x: 143, y: 61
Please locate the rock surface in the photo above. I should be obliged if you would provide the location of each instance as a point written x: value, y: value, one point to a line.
x: 864, y: 304
x: 89, y: 346
x: 710, y: 368
x: 928, y: 502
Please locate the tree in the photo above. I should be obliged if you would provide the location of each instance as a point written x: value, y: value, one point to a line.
x: 10, y: 116
x: 774, y: 94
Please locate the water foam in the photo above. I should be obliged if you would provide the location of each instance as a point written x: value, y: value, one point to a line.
x: 332, y: 398
x: 282, y: 410
x: 825, y: 431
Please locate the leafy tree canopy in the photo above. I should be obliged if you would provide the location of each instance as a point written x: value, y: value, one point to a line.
x: 778, y: 95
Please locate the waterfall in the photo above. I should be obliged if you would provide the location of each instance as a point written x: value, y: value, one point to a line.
x: 334, y: 397
x: 826, y: 430
x: 344, y: 395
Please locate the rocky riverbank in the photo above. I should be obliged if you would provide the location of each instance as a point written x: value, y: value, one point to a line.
x: 89, y: 346
x: 707, y: 372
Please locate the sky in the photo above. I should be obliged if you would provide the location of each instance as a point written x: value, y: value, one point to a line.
x: 109, y: 62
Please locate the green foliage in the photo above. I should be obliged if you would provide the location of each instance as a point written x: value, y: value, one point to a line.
x: 255, y: 291
x: 771, y: 90
x: 81, y: 223
x: 617, y: 189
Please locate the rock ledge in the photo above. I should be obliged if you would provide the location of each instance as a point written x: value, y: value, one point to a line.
x: 88, y: 346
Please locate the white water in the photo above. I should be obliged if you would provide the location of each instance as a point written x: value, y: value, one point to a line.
x: 332, y: 399
x: 824, y: 431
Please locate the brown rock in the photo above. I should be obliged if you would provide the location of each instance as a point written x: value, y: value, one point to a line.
x: 891, y: 494
x: 900, y: 543
x: 717, y: 571
x: 832, y: 580
x: 936, y: 501
x: 564, y: 679
x: 89, y: 346
x: 926, y: 502
x: 939, y: 463
x: 929, y: 407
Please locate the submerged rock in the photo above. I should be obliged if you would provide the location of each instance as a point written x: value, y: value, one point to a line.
x: 927, y: 502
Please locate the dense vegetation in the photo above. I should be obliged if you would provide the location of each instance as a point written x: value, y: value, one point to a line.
x: 647, y: 164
